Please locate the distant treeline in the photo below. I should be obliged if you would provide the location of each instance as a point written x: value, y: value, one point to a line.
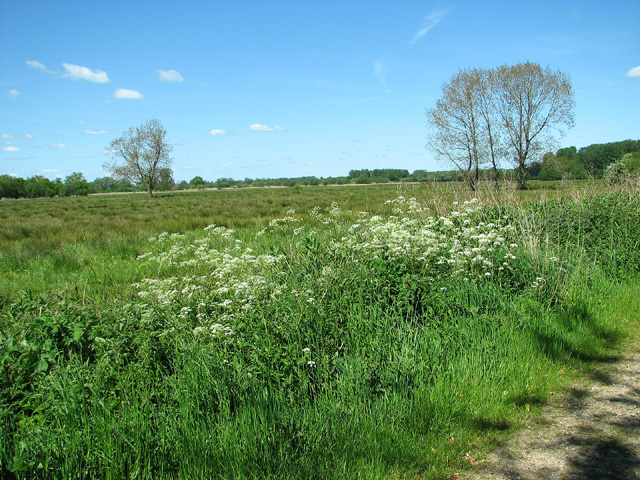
x: 588, y: 162
x: 567, y: 163
x: 384, y: 175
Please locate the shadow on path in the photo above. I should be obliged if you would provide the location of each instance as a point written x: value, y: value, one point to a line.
x: 592, y: 433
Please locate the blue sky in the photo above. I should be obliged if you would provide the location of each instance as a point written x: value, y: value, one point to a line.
x: 288, y: 88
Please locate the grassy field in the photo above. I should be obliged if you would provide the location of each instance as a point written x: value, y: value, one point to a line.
x: 324, y: 332
x: 52, y: 243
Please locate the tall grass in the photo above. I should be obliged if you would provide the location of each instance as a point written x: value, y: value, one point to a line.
x: 54, y: 244
x: 396, y: 340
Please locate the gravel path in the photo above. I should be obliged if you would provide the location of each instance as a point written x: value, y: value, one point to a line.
x: 590, y: 432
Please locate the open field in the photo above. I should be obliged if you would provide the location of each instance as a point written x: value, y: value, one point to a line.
x: 324, y: 332
x: 53, y: 243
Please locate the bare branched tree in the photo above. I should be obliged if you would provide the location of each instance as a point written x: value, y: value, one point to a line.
x: 493, y: 134
x: 534, y: 105
x: 144, y: 153
x: 486, y: 116
x: 456, y: 125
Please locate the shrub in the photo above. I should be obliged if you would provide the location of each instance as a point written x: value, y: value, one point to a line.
x: 624, y: 171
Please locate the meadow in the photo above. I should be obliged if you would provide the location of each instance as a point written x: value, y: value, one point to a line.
x: 382, y: 331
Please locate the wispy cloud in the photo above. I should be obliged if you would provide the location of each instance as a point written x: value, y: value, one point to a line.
x: 74, y: 72
x: 36, y: 65
x: 256, y: 127
x: 60, y: 145
x: 380, y: 71
x: 14, y: 93
x: 125, y: 94
x: 430, y: 21
x: 170, y: 76
x: 217, y: 132
x: 634, y: 72
x: 77, y: 72
x: 96, y: 132
x: 10, y: 149
x: 26, y: 136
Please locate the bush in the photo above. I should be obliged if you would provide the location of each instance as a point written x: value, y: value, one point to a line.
x: 624, y: 171
x: 11, y: 187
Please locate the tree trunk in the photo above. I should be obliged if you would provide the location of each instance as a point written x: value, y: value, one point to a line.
x: 522, y: 182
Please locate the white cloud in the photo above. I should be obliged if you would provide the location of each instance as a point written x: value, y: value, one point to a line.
x: 60, y: 145
x: 123, y: 93
x: 634, y: 72
x: 27, y: 136
x: 96, y: 132
x: 49, y: 170
x: 170, y: 76
x: 10, y: 149
x: 6, y: 135
x: 39, y: 66
x: 14, y: 93
x: 380, y: 71
x: 256, y: 127
x: 217, y: 132
x: 77, y: 72
x: 430, y: 21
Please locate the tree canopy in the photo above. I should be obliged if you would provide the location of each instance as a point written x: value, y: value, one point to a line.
x: 144, y: 154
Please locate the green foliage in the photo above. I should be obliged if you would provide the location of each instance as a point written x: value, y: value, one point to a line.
x: 549, y: 172
x: 197, y: 181
x: 11, y: 187
x: 605, y: 228
x: 624, y: 171
x: 166, y: 180
x: 110, y: 185
x: 596, y: 157
x: 75, y: 184
x: 39, y: 186
x: 324, y: 343
x: 389, y: 174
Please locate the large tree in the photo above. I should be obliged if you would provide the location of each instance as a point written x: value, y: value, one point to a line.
x: 140, y: 155
x: 534, y: 104
x: 456, y: 135
x: 511, y: 112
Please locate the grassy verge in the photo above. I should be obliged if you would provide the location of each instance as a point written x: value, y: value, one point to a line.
x: 386, y: 342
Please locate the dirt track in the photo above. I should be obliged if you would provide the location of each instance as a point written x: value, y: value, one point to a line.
x: 590, y: 432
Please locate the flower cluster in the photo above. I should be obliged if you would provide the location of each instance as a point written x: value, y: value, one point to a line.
x: 455, y: 244
x: 208, y: 284
x: 211, y: 282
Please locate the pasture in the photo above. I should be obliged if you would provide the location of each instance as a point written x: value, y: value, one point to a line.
x: 382, y: 331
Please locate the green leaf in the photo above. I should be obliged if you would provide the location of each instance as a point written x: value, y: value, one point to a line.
x: 19, y: 466
x: 78, y: 332
x: 43, y: 366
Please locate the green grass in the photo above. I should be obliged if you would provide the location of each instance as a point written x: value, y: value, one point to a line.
x: 304, y: 347
x: 51, y: 244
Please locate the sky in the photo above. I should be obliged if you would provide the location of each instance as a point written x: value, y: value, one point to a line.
x: 268, y: 89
